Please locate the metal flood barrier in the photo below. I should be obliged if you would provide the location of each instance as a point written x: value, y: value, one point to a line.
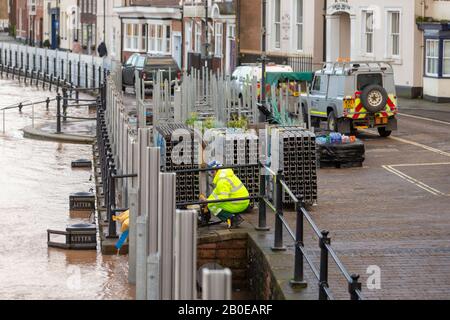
x: 159, y: 233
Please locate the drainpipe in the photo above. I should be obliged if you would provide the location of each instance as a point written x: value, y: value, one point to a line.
x: 325, y: 30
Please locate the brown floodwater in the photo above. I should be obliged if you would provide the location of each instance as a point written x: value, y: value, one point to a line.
x: 35, y: 182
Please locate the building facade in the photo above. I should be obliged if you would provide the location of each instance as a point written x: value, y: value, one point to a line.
x: 52, y: 23
x: 22, y: 20
x: 4, y: 15
x: 390, y: 31
x: 109, y: 27
x: 35, y: 22
x: 210, y: 34
x: 151, y: 26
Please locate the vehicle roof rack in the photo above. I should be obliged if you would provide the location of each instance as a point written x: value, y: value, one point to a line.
x: 344, y: 66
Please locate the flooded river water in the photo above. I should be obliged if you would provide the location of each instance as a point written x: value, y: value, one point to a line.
x: 35, y: 182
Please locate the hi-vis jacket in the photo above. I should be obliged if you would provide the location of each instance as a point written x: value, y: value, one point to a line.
x: 228, y: 186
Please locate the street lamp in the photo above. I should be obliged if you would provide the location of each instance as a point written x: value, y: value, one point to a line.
x: 263, y: 60
x: 207, y: 44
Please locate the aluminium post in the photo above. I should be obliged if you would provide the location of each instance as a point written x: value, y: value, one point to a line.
x: 186, y: 255
x: 167, y: 208
x: 216, y: 284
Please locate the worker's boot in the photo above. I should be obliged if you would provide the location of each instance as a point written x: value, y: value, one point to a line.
x: 236, y: 221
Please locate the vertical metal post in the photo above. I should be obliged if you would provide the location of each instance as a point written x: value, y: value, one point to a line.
x: 216, y: 284
x: 278, y: 243
x: 58, y: 113
x: 141, y: 257
x: 152, y: 182
x: 262, y: 207
x: 263, y: 57
x: 298, y: 281
x: 65, y: 103
x: 323, y: 281
x: 186, y: 255
x: 112, y: 233
x: 167, y: 208
x: 353, y: 286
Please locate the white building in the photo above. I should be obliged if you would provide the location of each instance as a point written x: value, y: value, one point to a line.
x: 109, y: 27
x: 296, y: 27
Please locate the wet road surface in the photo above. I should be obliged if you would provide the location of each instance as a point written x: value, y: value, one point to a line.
x: 395, y: 220
x: 35, y: 183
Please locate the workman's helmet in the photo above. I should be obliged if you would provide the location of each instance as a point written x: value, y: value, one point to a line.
x: 214, y: 164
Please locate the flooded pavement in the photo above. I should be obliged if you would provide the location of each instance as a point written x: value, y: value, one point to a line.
x: 35, y: 182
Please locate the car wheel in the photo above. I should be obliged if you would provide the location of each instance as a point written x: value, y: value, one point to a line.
x: 383, y: 132
x: 332, y: 122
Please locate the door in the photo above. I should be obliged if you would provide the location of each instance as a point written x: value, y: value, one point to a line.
x: 177, y: 43
x: 318, y: 96
x: 55, y: 28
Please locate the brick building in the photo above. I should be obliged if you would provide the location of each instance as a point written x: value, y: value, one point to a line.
x: 22, y: 20
x: 12, y: 16
x: 4, y: 14
x: 151, y: 26
x: 35, y: 22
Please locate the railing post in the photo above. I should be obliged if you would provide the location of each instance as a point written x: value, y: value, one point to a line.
x: 65, y: 103
x: 58, y: 113
x: 278, y: 243
x: 353, y: 286
x: 323, y: 281
x: 262, y: 207
x: 112, y: 203
x: 298, y: 281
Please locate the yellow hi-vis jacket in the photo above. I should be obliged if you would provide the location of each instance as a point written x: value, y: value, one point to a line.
x: 228, y: 186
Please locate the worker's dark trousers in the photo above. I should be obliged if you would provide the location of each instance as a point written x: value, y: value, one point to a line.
x: 224, y: 215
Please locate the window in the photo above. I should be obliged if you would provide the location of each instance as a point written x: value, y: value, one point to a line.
x: 299, y: 24
x: 365, y: 80
x: 218, y: 39
x: 277, y: 23
x: 198, y: 37
x: 316, y: 85
x: 446, y: 57
x: 168, y: 39
x: 432, y: 58
x: 159, y: 38
x: 134, y: 37
x: 368, y: 32
x: 394, y: 33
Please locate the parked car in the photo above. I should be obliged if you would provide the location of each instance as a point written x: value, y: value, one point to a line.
x: 354, y: 95
x: 245, y: 74
x: 148, y: 66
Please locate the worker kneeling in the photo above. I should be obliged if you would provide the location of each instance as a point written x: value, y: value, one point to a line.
x: 228, y: 186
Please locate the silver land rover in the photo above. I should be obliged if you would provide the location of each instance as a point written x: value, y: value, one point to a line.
x: 354, y: 95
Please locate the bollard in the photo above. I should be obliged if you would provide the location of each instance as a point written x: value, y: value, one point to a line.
x: 216, y: 284
x: 166, y: 208
x: 278, y: 241
x: 58, y: 113
x: 47, y: 104
x: 298, y: 281
x: 186, y: 255
x: 323, y: 281
x: 112, y: 232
